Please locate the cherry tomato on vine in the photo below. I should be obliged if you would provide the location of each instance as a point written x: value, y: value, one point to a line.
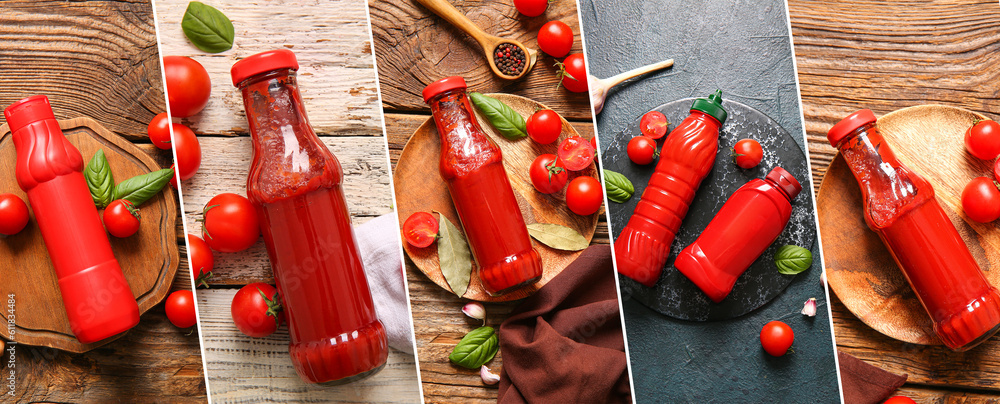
x: 981, y: 200
x: 13, y: 214
x: 899, y: 400
x: 531, y: 8
x: 188, y: 85
x: 584, y: 195
x: 159, y: 131
x: 776, y: 337
x: 121, y: 218
x: 256, y: 310
x: 573, y: 73
x: 420, y: 229
x: 556, y: 39
x: 230, y: 223
x: 653, y: 124
x: 642, y: 150
x: 544, y: 126
x: 983, y: 139
x: 188, y: 151
x: 202, y: 260
x: 180, y: 309
x: 548, y: 174
x: 747, y: 153
x: 575, y: 153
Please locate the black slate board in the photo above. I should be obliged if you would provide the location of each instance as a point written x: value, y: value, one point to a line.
x: 674, y: 294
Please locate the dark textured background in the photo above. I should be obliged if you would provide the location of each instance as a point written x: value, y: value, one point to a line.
x: 747, y: 54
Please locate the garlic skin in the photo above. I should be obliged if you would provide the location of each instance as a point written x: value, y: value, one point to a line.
x: 809, y: 309
x: 489, y: 378
x: 475, y: 310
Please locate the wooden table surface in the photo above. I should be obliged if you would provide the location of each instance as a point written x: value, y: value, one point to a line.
x: 337, y: 80
x: 886, y: 56
x: 413, y: 48
x: 99, y: 59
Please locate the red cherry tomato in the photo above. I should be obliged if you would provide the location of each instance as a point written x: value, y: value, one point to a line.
x: 593, y: 143
x: 121, y: 218
x: 202, y: 260
x: 531, y: 8
x: 188, y: 151
x: 981, y: 200
x: 230, y: 223
x: 573, y: 73
x: 899, y: 400
x: 13, y: 214
x: 548, y: 174
x: 556, y: 39
x: 159, y: 131
x: 776, y: 337
x: 180, y: 309
x: 256, y: 310
x: 983, y: 139
x: 575, y: 153
x: 653, y: 124
x: 584, y: 195
x: 420, y: 229
x: 996, y: 170
x: 544, y: 126
x: 188, y: 85
x: 642, y: 150
x: 747, y: 153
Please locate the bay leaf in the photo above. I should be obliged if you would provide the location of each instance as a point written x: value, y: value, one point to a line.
x: 454, y: 255
x: 558, y: 236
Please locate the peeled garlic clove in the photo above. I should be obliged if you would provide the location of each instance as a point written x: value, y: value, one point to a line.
x: 475, y: 310
x: 489, y: 378
x: 810, y: 307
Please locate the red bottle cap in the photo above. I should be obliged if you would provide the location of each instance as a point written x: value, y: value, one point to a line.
x: 785, y: 181
x: 445, y: 84
x: 263, y: 62
x: 28, y: 111
x: 848, y: 125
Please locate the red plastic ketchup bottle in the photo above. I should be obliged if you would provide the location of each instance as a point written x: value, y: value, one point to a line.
x: 750, y: 220
x: 98, y: 300
x: 900, y: 206
x: 688, y: 153
x: 295, y: 184
x: 472, y: 166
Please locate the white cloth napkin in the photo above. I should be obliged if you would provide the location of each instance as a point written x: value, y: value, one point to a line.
x: 378, y: 242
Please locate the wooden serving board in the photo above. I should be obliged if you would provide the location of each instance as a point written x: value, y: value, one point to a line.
x: 149, y: 258
x: 928, y: 139
x: 419, y: 187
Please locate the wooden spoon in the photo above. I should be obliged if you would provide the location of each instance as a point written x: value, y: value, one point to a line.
x: 599, y: 87
x: 487, y: 41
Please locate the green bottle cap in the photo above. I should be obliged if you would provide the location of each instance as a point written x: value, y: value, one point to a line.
x: 712, y: 106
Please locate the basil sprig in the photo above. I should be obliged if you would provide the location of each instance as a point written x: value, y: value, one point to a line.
x: 476, y: 348
x: 618, y: 187
x: 792, y: 259
x: 99, y: 180
x: 140, y: 188
x: 508, y: 122
x: 207, y: 28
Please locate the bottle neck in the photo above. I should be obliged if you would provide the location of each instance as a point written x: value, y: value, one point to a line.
x: 779, y: 188
x: 273, y: 99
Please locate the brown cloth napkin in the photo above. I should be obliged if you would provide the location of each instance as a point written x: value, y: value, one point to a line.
x: 564, y: 344
x: 864, y: 383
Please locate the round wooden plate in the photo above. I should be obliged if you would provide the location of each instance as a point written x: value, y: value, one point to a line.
x: 149, y: 258
x: 419, y: 187
x: 929, y: 139
x: 674, y: 294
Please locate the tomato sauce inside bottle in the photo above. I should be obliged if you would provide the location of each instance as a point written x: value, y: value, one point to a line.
x: 472, y: 166
x: 295, y: 184
x: 900, y: 206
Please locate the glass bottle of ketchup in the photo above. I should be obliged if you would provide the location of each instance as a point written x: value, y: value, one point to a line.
x: 98, y: 300
x: 750, y: 220
x: 295, y: 184
x: 472, y: 166
x: 900, y: 206
x: 687, y: 155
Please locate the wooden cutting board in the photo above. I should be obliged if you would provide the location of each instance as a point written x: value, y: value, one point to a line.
x: 929, y: 139
x: 149, y: 258
x: 419, y: 187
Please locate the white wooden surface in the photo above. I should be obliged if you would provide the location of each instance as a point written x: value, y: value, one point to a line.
x: 337, y: 79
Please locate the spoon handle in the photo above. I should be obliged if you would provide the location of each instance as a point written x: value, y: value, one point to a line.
x: 618, y: 78
x: 451, y: 14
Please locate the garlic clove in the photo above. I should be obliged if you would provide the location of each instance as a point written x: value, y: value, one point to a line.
x: 475, y: 310
x: 489, y: 378
x: 822, y: 279
x: 809, y: 308
x: 597, y: 93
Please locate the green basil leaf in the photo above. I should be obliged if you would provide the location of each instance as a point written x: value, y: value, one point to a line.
x: 792, y: 259
x: 454, y: 256
x: 558, y: 236
x: 476, y: 348
x: 508, y: 122
x: 140, y: 188
x: 618, y: 187
x: 99, y: 180
x: 207, y: 28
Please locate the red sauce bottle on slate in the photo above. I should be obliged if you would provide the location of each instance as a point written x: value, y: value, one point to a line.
x: 750, y: 220
x: 688, y: 153
x: 98, y: 300
x: 295, y: 184
x: 472, y: 166
x: 900, y: 206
